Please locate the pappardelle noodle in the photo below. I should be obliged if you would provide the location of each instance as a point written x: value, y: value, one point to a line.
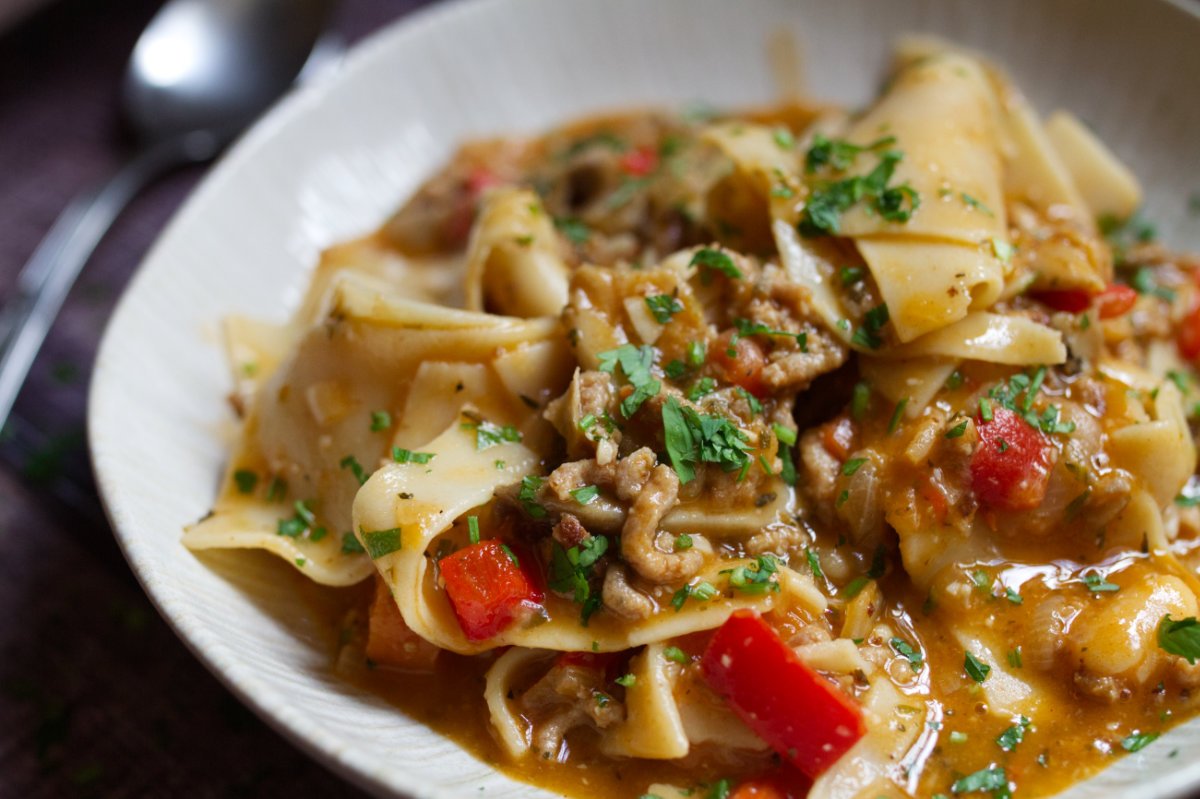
x: 793, y: 452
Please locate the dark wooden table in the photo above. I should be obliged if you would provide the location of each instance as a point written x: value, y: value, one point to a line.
x: 97, y: 696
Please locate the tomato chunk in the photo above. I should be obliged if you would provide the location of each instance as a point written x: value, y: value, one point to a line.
x: 740, y: 361
x: 639, y: 162
x: 487, y: 590
x: 1115, y: 300
x: 1069, y: 300
x: 804, y: 718
x: 1011, y: 466
x: 1189, y: 335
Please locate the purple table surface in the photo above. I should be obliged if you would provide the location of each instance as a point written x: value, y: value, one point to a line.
x: 97, y: 696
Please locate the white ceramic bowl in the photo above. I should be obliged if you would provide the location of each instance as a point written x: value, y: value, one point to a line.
x: 333, y: 159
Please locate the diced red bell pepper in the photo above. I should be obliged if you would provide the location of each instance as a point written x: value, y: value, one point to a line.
x: 803, y: 717
x: 640, y: 161
x: 1011, y: 466
x: 1069, y: 300
x: 1189, y: 335
x: 486, y: 589
x: 1115, y: 300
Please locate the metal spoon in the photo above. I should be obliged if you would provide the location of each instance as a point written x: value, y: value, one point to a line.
x: 200, y: 73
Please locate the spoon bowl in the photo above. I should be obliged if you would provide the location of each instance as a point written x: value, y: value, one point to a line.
x: 215, y: 65
x: 201, y: 72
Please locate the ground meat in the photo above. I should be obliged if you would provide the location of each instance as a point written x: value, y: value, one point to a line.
x: 640, y: 533
x: 566, y: 697
x: 795, y: 371
x: 569, y: 531
x: 590, y: 394
x: 1102, y: 687
x: 625, y: 477
x: 622, y: 598
x: 820, y: 473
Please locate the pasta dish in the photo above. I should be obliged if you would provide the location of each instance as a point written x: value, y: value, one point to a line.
x: 786, y: 452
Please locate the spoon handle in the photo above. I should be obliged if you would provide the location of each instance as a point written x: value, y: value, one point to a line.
x: 44, y: 281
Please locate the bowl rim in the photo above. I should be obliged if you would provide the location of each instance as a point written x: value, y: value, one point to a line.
x: 300, y: 732
x: 292, y: 724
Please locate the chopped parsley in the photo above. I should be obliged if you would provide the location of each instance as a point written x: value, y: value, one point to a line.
x: 303, y: 519
x: 692, y: 438
x: 245, y: 480
x: 783, y: 138
x: 992, y: 779
x: 585, y: 495
x: 1012, y: 736
x: 1019, y: 393
x: 571, y: 572
x: 975, y: 668
x: 853, y: 465
x: 851, y: 274
x: 905, y: 650
x: 828, y: 201
x: 786, y: 435
x: 1180, y: 637
x: 868, y: 334
x: 277, y: 489
x: 1097, y: 584
x: 350, y: 544
x: 380, y: 420
x: 1138, y: 741
x: 528, y: 495
x: 746, y: 328
x: 473, y: 529
x: 897, y: 415
x: 635, y: 362
x: 958, y: 430
x: 401, y: 455
x: 381, y: 542
x: 702, y: 387
x: 702, y: 592
x: 696, y: 353
x: 814, y: 564
x: 860, y: 400
x: 573, y: 229
x: 663, y: 307
x: 755, y: 578
x: 838, y: 154
x: 626, y: 680
x: 1002, y: 249
x: 715, y: 261
x: 1144, y: 283
x: 1014, y: 658
x: 676, y: 655
x: 350, y: 462
x: 976, y: 204
x: 489, y: 434
x: 683, y: 541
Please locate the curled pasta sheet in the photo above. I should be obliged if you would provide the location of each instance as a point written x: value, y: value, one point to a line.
x: 990, y: 337
x: 246, y: 524
x: 934, y: 268
x: 513, y: 262
x: 464, y: 478
x: 755, y: 152
x: 873, y: 765
x: 1160, y: 453
x: 652, y: 727
x: 315, y: 410
x: 806, y: 267
x: 931, y: 284
x: 511, y: 727
x: 253, y: 350
x: 914, y: 381
x: 1105, y: 184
